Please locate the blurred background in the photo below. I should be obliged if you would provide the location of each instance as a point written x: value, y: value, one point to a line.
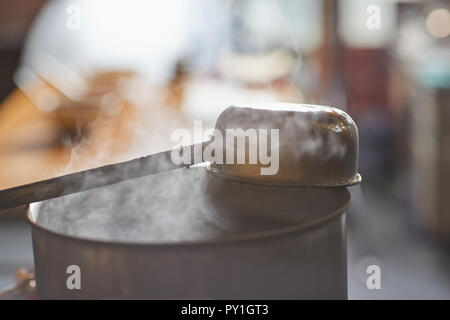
x: 87, y: 83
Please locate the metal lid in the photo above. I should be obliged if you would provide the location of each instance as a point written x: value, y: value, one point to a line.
x: 317, y: 145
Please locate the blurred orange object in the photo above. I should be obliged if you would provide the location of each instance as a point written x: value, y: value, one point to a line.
x: 31, y: 145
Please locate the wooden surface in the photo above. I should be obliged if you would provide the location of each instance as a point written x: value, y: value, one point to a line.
x: 30, y: 148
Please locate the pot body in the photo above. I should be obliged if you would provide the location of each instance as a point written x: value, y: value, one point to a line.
x: 302, y: 258
x: 301, y: 264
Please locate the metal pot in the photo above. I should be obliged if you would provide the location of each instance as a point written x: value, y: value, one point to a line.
x: 285, y: 243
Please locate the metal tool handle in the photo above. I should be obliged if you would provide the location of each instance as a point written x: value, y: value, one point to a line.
x: 97, y: 177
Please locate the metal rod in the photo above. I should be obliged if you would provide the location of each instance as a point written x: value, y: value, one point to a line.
x: 97, y: 177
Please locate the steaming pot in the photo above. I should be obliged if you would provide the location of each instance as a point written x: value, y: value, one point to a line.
x: 279, y: 236
x: 281, y: 243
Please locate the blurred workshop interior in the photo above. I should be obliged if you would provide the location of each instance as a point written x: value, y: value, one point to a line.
x: 89, y: 83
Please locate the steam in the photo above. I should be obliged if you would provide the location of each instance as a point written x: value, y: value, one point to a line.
x: 156, y: 208
x: 166, y: 207
x: 174, y: 206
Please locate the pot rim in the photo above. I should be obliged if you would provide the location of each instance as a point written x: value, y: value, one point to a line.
x: 203, y: 242
x: 357, y: 179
